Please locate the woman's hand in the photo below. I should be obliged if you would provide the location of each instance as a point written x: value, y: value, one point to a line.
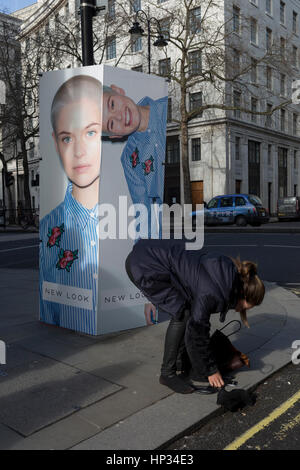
x: 149, y: 308
x: 216, y: 380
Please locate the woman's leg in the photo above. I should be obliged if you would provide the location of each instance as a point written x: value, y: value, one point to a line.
x: 173, y: 342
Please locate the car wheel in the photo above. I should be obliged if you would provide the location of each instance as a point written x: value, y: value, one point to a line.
x: 241, y: 221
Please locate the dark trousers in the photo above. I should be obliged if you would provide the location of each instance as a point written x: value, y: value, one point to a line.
x: 175, y: 355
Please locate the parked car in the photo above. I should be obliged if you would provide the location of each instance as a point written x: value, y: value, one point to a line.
x: 239, y: 209
x: 288, y: 208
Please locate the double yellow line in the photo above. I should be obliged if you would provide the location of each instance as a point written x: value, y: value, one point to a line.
x: 264, y: 423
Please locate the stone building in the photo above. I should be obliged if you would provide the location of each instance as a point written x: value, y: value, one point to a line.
x: 229, y: 150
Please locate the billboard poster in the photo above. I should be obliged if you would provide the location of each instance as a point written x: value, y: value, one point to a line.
x: 102, y: 144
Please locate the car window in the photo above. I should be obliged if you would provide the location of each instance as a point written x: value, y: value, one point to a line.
x: 240, y: 201
x: 226, y: 202
x: 255, y: 200
x: 212, y: 204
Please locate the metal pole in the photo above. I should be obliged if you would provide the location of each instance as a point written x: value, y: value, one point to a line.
x: 149, y: 47
x: 3, y: 195
x: 87, y: 11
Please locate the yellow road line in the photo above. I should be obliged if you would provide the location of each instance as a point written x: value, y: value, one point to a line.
x: 264, y: 423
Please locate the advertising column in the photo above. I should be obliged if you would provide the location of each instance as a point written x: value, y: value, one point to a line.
x: 102, y: 143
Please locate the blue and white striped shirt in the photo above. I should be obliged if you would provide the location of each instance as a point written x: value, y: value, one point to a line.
x: 142, y: 160
x: 69, y: 251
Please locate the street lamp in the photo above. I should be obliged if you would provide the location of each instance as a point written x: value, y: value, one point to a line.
x: 137, y: 31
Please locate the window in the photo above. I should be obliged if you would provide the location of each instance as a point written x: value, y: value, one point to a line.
x: 282, y: 120
x: 253, y: 70
x: 195, y: 20
x: 295, y: 56
x: 240, y: 201
x: 269, y: 154
x: 66, y: 9
x: 253, y: 30
x: 295, y: 124
x: 111, y: 9
x: 138, y: 68
x: 268, y: 39
x: 195, y: 66
x: 295, y: 159
x: 269, y: 116
x: 236, y: 19
x: 237, y: 148
x: 226, y: 202
x: 173, y: 153
x: 164, y: 26
x: 169, y: 114
x: 282, y: 84
x: 164, y: 66
x: 236, y: 61
x: 295, y: 189
x: 196, y: 102
x: 269, y: 77
x: 136, y: 45
x: 237, y: 103
x: 213, y: 204
x: 282, y: 48
x: 111, y: 48
x: 282, y: 12
x: 196, y: 149
x: 295, y: 22
x: 135, y: 5
x: 269, y: 6
x: 253, y: 109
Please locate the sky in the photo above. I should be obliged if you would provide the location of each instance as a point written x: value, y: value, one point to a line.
x: 9, y: 6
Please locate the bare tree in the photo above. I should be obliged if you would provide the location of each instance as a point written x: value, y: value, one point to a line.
x: 24, y: 57
x: 208, y: 52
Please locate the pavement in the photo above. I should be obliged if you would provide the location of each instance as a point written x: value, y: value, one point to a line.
x: 63, y: 390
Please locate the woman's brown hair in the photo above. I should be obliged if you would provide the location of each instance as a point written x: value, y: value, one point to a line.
x: 252, y: 287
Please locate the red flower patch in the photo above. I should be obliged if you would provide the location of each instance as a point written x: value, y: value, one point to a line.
x: 66, y: 259
x: 54, y: 235
x: 134, y: 157
x: 148, y: 166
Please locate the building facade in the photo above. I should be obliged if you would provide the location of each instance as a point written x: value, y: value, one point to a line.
x: 10, y: 69
x: 229, y: 150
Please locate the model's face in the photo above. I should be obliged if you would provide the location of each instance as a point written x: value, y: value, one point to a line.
x: 78, y: 139
x: 121, y: 116
x: 243, y: 305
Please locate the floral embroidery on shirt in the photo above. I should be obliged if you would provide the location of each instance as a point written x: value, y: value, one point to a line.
x: 54, y: 235
x: 134, y: 157
x: 148, y: 165
x: 66, y: 259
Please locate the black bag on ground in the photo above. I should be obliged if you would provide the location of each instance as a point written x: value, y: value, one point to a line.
x: 227, y: 357
x: 235, y: 399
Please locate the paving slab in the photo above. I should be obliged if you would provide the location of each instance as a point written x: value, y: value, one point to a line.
x: 37, y: 391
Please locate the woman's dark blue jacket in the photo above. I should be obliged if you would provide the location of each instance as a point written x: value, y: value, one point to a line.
x: 173, y: 279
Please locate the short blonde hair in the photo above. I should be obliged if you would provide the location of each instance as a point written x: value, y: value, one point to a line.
x: 74, y: 89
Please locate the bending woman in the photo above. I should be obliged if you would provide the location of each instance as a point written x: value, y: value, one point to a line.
x: 190, y: 285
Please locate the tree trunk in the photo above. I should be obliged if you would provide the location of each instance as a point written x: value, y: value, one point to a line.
x: 27, y: 195
x: 185, y: 151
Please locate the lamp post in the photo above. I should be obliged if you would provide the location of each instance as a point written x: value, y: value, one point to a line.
x: 137, y: 31
x: 88, y: 9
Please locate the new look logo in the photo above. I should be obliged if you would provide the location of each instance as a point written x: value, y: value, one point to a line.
x: 2, y: 352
